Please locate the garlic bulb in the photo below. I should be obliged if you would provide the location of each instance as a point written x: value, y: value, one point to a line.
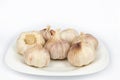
x: 47, y: 33
x: 69, y: 34
x: 37, y: 57
x: 57, y: 47
x: 81, y: 54
x: 83, y: 50
x: 27, y: 40
x: 88, y: 37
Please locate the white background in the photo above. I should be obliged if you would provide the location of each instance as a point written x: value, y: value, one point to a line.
x: 100, y: 16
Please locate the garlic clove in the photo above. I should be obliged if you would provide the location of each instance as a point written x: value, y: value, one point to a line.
x: 27, y: 40
x: 47, y: 33
x: 69, y: 34
x: 81, y: 54
x: 37, y: 57
x: 57, y: 47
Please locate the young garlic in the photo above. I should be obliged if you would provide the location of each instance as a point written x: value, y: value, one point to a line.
x: 81, y: 54
x: 27, y: 40
x: 57, y: 47
x: 69, y: 34
x: 47, y: 33
x: 88, y: 37
x: 37, y: 57
x: 83, y: 50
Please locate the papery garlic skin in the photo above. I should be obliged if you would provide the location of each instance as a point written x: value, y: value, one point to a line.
x: 47, y: 33
x: 27, y: 40
x: 69, y: 34
x: 37, y: 57
x: 57, y: 47
x: 81, y: 54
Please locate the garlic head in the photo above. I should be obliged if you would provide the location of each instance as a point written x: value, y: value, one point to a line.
x: 69, y: 34
x: 37, y: 57
x: 27, y: 40
x: 81, y: 54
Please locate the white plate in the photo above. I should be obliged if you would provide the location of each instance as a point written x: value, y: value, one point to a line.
x: 57, y: 68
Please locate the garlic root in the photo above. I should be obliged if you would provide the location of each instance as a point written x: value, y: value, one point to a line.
x: 28, y: 40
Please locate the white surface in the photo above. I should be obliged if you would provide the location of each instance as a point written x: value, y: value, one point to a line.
x: 100, y: 16
x: 57, y: 68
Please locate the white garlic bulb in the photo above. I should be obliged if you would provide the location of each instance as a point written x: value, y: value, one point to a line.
x: 27, y: 40
x: 37, y: 57
x: 82, y: 51
x: 69, y: 34
x: 57, y: 47
x: 81, y: 54
x: 47, y: 33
